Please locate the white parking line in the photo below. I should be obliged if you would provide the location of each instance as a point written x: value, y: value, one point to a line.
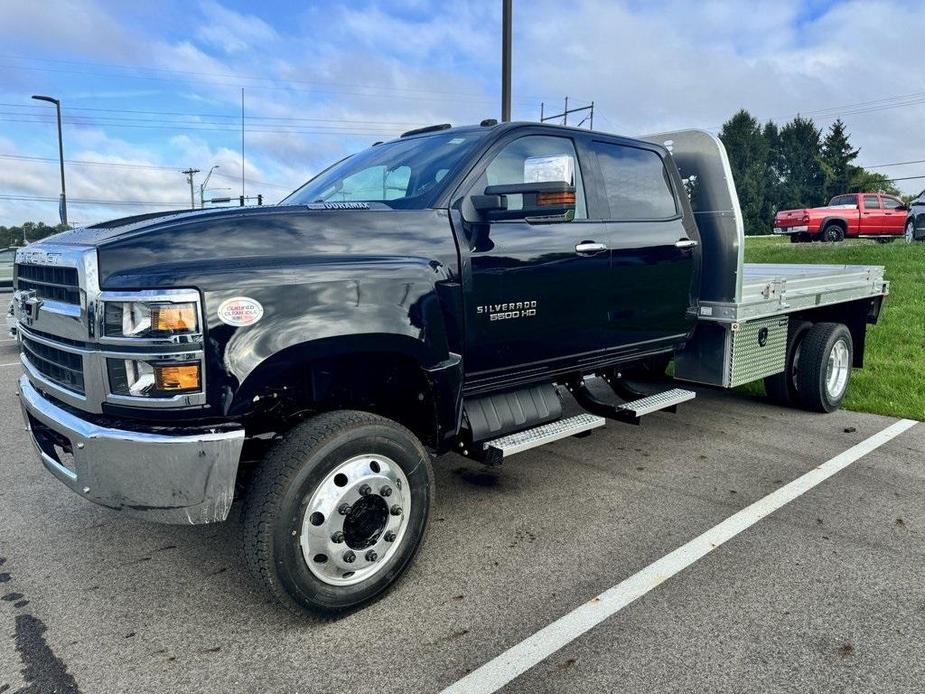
x: 496, y: 673
x: 12, y: 363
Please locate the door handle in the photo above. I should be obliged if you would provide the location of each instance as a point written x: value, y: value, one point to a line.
x: 685, y: 243
x: 590, y: 247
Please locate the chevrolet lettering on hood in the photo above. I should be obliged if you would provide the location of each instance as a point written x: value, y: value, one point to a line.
x: 508, y: 311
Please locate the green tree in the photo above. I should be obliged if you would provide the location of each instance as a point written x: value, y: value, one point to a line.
x: 27, y: 232
x: 773, y: 180
x: 836, y: 157
x: 864, y: 181
x: 748, y: 158
x: 802, y: 173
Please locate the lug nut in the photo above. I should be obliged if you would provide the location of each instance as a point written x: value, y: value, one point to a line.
x: 343, y: 509
x: 337, y: 537
x: 386, y: 491
x: 364, y: 490
x: 390, y: 536
x: 395, y: 510
x: 349, y: 556
x: 371, y: 555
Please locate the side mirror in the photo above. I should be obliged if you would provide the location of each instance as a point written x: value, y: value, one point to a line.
x: 544, y: 202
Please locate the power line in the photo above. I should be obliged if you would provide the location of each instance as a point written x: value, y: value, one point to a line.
x: 80, y: 162
x: 261, y: 79
x: 217, y: 115
x: 206, y: 127
x: 269, y: 84
x: 898, y: 163
x: 87, y: 201
x: 23, y: 157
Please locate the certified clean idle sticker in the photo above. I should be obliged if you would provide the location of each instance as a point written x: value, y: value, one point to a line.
x: 240, y: 311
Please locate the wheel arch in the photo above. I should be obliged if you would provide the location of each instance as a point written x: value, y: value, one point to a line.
x: 856, y: 315
x: 386, y: 374
x: 837, y: 221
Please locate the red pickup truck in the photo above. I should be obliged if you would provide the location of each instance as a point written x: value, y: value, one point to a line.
x: 855, y: 215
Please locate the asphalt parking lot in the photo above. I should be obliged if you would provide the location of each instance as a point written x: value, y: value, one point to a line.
x: 824, y: 594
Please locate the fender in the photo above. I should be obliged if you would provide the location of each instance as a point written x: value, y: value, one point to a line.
x: 384, y: 278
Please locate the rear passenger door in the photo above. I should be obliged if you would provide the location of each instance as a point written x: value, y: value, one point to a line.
x: 654, y: 257
x: 872, y: 221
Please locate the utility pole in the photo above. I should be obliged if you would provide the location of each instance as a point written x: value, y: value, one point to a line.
x: 242, y: 143
x: 189, y: 179
x: 506, y: 12
x: 62, y: 210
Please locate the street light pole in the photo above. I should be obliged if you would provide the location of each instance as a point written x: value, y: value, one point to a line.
x: 57, y: 103
x: 506, y: 61
x: 202, y: 187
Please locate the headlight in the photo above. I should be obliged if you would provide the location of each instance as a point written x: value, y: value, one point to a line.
x: 148, y: 319
x: 153, y: 379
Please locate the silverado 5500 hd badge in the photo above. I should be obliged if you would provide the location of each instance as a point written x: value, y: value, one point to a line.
x: 514, y: 309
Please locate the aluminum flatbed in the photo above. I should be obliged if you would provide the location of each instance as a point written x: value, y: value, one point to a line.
x: 744, y: 309
x: 775, y: 289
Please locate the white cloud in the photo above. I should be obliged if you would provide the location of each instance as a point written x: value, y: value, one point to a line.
x: 359, y: 72
x: 233, y: 32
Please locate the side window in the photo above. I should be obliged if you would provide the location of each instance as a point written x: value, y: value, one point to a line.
x: 871, y: 202
x: 536, y: 158
x: 636, y: 182
x: 844, y: 201
x: 891, y: 203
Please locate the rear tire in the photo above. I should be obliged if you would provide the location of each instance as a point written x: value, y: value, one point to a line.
x: 910, y: 231
x: 824, y: 369
x: 781, y: 388
x: 833, y: 233
x: 295, y: 508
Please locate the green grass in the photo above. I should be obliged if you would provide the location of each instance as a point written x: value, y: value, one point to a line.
x: 892, y: 381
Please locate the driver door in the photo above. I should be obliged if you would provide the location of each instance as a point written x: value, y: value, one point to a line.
x: 535, y: 299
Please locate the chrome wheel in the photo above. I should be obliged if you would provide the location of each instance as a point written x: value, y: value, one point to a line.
x: 836, y: 373
x: 910, y: 231
x: 355, y: 520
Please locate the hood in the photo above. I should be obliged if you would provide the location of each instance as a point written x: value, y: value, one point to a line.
x: 97, y: 234
x: 162, y: 250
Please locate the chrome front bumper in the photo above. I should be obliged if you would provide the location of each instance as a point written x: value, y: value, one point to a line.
x: 159, y: 477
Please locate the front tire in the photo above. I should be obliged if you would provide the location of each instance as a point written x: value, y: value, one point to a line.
x: 824, y: 370
x: 910, y: 231
x: 336, y: 512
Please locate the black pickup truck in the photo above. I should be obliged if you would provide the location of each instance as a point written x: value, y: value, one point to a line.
x: 445, y: 291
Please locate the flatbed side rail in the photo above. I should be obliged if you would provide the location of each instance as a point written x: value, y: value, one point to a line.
x: 771, y: 290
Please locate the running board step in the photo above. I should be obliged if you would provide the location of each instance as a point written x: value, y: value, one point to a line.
x: 632, y: 410
x: 666, y: 400
x: 498, y: 449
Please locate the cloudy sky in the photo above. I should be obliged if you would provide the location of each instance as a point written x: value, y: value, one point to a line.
x: 151, y: 88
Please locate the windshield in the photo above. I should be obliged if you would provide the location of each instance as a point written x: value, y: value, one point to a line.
x: 405, y: 174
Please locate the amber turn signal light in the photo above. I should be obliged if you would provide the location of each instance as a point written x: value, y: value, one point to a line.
x: 177, y: 377
x: 174, y: 318
x: 563, y: 198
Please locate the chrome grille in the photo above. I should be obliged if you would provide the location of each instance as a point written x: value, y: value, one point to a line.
x: 63, y: 368
x: 49, y: 282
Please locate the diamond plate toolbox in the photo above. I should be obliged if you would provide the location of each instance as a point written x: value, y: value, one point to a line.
x: 757, y: 349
